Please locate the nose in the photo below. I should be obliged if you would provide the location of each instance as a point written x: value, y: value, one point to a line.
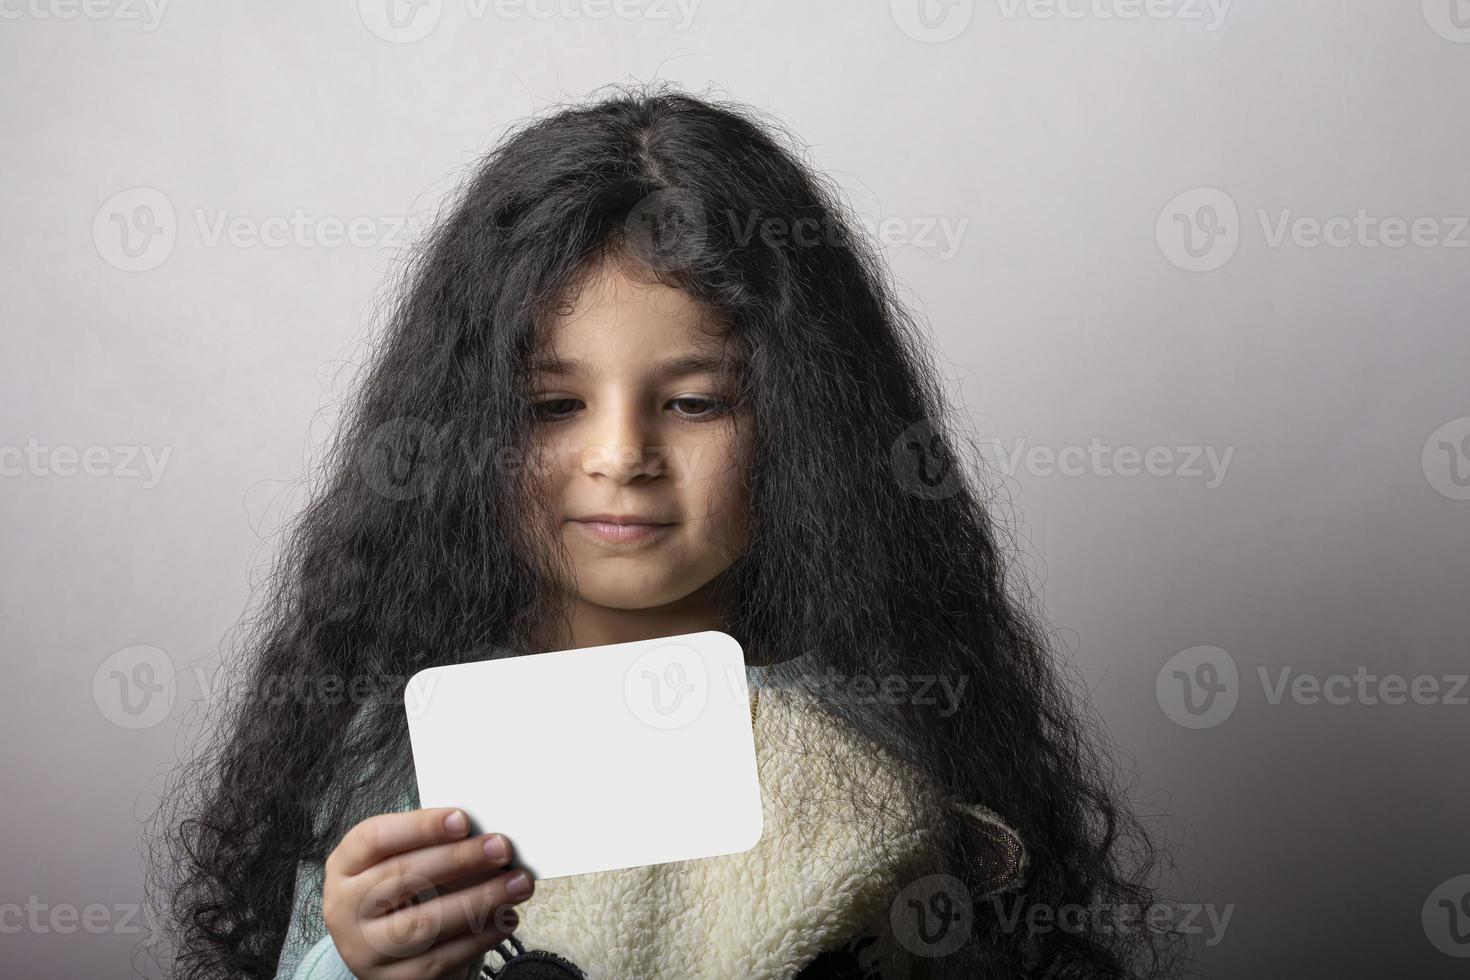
x: 619, y: 444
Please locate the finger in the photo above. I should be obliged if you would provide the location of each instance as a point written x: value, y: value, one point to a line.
x: 387, y: 834
x: 417, y: 928
x: 440, y: 960
x: 395, y: 881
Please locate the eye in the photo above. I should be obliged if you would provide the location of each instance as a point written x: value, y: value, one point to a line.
x: 554, y: 409
x: 699, y: 408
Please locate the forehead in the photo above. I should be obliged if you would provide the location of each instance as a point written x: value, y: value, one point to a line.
x: 618, y: 318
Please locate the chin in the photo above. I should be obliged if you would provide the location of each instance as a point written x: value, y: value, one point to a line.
x: 633, y: 595
x: 624, y: 595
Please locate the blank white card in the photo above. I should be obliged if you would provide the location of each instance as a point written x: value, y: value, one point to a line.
x: 605, y: 757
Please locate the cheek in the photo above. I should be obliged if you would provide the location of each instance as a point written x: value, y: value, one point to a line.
x: 717, y: 491
x: 549, y: 463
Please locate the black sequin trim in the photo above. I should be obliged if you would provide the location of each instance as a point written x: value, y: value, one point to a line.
x: 519, y: 963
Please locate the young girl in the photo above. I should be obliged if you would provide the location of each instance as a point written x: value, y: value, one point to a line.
x: 644, y: 380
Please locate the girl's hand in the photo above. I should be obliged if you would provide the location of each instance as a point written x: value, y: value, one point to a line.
x: 406, y: 898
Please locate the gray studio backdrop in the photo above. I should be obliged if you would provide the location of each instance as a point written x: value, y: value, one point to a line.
x: 1199, y: 274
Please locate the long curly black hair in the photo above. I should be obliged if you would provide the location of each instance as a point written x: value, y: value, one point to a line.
x: 875, y: 547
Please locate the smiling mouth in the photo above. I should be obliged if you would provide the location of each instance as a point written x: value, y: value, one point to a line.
x: 617, y: 533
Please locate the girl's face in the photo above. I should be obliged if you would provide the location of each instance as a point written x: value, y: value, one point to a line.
x: 646, y: 455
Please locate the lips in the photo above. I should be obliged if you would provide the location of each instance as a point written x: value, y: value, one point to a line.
x: 605, y: 518
x: 620, y: 528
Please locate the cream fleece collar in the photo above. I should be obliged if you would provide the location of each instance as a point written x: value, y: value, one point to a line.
x: 818, y: 875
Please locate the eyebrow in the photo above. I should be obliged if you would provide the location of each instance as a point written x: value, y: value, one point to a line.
x: 670, y: 367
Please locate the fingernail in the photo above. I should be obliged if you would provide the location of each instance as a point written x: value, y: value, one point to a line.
x: 518, y: 885
x: 495, y: 848
x: 455, y: 823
